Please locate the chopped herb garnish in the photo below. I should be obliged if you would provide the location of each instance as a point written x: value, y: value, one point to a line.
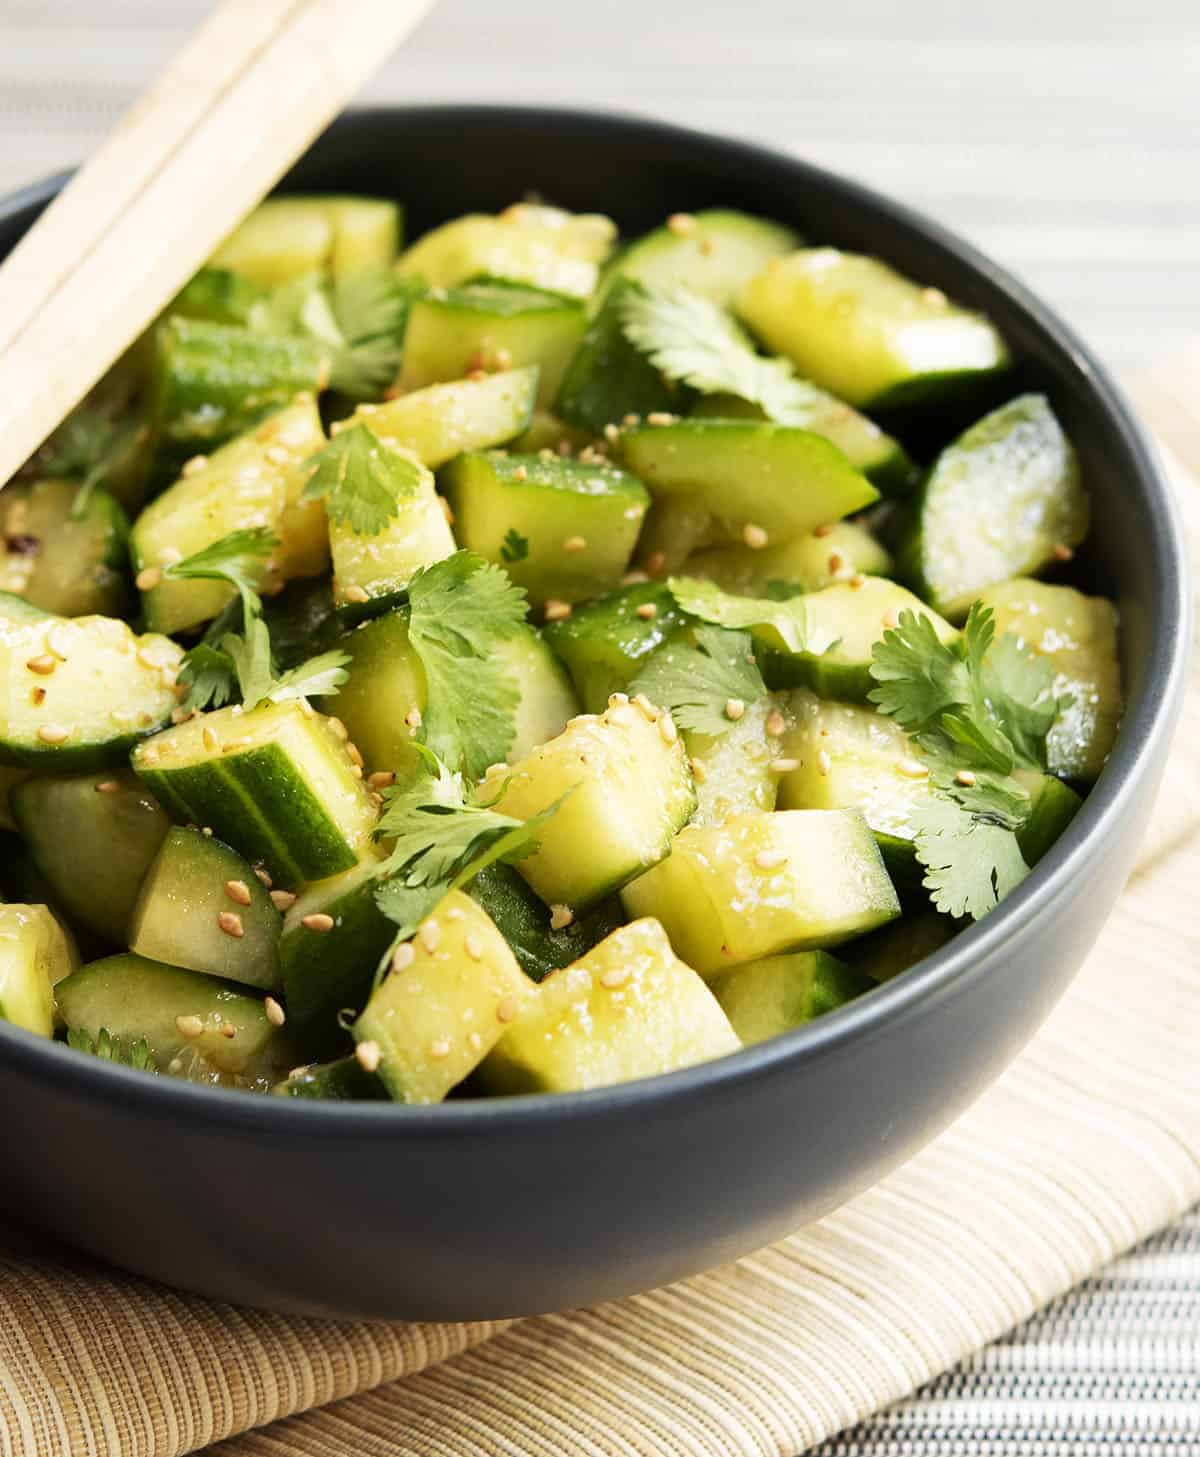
x: 785, y: 624
x: 514, y: 547
x: 696, y: 681
x: 361, y: 480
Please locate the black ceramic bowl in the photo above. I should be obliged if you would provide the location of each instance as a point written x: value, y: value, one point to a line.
x: 537, y: 1203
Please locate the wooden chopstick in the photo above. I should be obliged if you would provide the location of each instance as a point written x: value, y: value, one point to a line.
x: 253, y: 87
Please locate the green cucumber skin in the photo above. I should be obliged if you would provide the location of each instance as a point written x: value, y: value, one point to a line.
x: 894, y: 948
x: 524, y: 922
x: 76, y: 758
x: 849, y: 682
x: 302, y: 620
x: 14, y: 608
x: 343, y: 1080
x: 324, y: 971
x: 604, y: 643
x: 1053, y: 810
x: 252, y: 801
x: 608, y: 378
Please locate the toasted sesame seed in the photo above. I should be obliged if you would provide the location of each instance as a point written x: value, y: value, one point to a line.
x: 456, y: 913
x: 667, y: 730
x: 277, y: 455
x: 912, y: 769
x: 148, y: 578
x: 209, y: 739
x: 107, y: 786
x: 189, y: 1027
x: 555, y: 610
x: 857, y: 582
x: 195, y: 465
x: 824, y: 762
x: 506, y: 1009
x: 615, y: 976
x: 634, y: 579
x: 231, y: 923
x: 575, y: 543
x: 647, y: 610
x: 473, y: 946
x: 230, y: 746
x: 618, y: 700
x: 612, y: 433
x: 474, y: 1041
x: 382, y: 779
x: 264, y: 875
x: 561, y: 916
x: 355, y: 593
x: 836, y: 563
x: 275, y: 1013
x: 403, y: 956
x: 206, y: 831
x: 282, y: 900
x: 783, y: 766
x: 699, y: 772
x: 412, y: 718
x: 353, y: 753
x: 734, y: 708
x: 520, y: 473
x: 933, y: 296
x: 647, y: 708
x: 754, y: 536
x: 770, y: 859
x: 682, y: 223
x: 776, y: 723
x: 661, y: 417
x: 1062, y: 552
x: 339, y: 727
x: 318, y: 921
x: 545, y: 454
x: 53, y: 733
x: 891, y: 618
x: 37, y: 697
x: 58, y: 640
x: 429, y: 933
x: 706, y: 246
x: 439, y: 1048
x: 621, y: 714
x: 823, y: 530
x: 180, y: 715
x: 967, y: 778
x: 44, y: 664
x: 367, y: 1055
x: 238, y: 891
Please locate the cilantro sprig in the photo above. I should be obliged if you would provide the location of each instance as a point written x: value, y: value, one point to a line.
x: 361, y: 480
x: 459, y: 609
x: 691, y: 340
x: 979, y: 710
x: 786, y: 624
x: 514, y: 547
x: 227, y: 663
x: 696, y: 680
x: 113, y: 1049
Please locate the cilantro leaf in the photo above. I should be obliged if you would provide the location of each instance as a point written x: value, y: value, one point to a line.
x: 786, y: 625
x: 970, y: 864
x: 362, y: 480
x: 251, y: 657
x: 238, y: 558
x: 371, y: 309
x: 1018, y: 686
x: 113, y: 1049
x: 209, y: 676
x: 459, y: 608
x: 514, y: 547
x: 690, y: 339
x: 314, y: 678
x: 696, y: 682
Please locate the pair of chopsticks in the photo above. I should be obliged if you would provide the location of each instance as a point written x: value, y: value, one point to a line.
x: 244, y: 98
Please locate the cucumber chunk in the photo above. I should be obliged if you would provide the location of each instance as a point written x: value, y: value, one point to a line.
x: 70, y: 565
x: 135, y: 999
x: 1053, y: 807
x: 628, y: 1009
x: 780, y: 479
x: 256, y: 480
x: 342, y: 1080
x: 714, y: 253
x: 9, y: 779
x: 763, y: 999
x: 385, y: 683
x: 14, y: 608
x: 853, y: 616
x: 577, y: 523
x: 93, y: 836
x: 604, y: 643
x: 34, y: 956
x: 849, y: 757
x: 540, y: 246
x: 1078, y: 635
x: 765, y: 883
x: 219, y: 296
x: 1004, y: 500
x: 210, y: 382
x: 523, y: 921
x: 326, y: 971
x: 437, y: 423
x: 854, y: 326
x: 202, y: 906
x: 491, y: 325
x: 630, y: 790
x: 807, y: 563
x: 79, y: 692
x: 377, y: 569
x: 547, y: 700
x: 547, y: 432
x: 894, y: 948
x: 732, y: 770
x: 608, y: 378
x: 880, y: 457
x: 435, y: 1021
x: 676, y: 526
x: 286, y: 237
x: 275, y: 783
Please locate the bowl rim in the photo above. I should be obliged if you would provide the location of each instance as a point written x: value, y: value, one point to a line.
x: 1140, y: 741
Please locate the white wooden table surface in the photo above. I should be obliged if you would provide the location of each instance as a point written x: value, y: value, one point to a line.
x: 1062, y: 136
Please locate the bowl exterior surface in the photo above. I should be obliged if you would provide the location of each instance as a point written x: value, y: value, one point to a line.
x: 523, y: 1205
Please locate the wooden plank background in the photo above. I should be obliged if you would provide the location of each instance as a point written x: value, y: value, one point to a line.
x: 1062, y: 136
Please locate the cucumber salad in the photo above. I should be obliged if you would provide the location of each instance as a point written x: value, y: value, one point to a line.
x: 528, y: 659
